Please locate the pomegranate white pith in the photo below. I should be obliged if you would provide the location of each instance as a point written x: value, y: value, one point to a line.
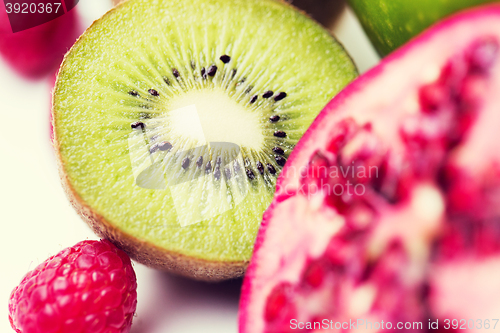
x: 418, y: 238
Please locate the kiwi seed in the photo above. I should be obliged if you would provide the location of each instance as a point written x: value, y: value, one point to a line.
x: 279, y: 134
x: 175, y: 72
x: 267, y: 94
x: 217, y: 173
x: 253, y: 99
x: 137, y: 124
x: 274, y: 118
x: 212, y: 70
x: 185, y: 163
x: 164, y: 146
x: 280, y: 96
x: 250, y: 174
x: 279, y: 150
x: 199, y: 161
x: 225, y: 58
x: 271, y: 169
x: 208, y: 167
x: 154, y: 148
x: 260, y: 167
x: 133, y: 93
x: 153, y: 92
x: 280, y: 160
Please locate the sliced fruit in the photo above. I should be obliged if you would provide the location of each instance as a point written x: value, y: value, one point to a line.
x: 173, y: 119
x: 387, y: 209
x: 391, y: 23
x: 38, y: 51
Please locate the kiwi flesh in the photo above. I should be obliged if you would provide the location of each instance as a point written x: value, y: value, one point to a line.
x: 172, y: 120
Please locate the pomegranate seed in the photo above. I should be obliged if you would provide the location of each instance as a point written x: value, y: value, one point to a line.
x: 276, y: 302
x: 472, y: 89
x: 394, y: 179
x: 315, y: 274
x: 452, y: 75
x: 360, y: 216
x: 341, y: 133
x: 317, y: 167
x: 433, y: 96
x: 482, y: 55
x: 338, y: 252
x: 360, y: 153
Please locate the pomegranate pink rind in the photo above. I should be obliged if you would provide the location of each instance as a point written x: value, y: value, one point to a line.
x: 419, y: 239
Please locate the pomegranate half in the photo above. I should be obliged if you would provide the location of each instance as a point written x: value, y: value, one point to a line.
x: 387, y: 213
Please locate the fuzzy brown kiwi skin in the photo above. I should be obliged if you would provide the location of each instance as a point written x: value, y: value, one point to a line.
x: 139, y: 250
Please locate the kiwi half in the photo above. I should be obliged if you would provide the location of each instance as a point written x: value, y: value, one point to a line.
x: 172, y: 120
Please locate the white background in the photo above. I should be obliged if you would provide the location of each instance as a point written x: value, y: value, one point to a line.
x: 37, y: 220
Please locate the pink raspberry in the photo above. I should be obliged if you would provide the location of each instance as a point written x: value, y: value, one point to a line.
x: 87, y: 288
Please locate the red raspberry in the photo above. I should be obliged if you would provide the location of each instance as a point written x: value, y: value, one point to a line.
x: 87, y: 288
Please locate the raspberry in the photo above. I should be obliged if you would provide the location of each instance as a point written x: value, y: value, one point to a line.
x: 87, y: 288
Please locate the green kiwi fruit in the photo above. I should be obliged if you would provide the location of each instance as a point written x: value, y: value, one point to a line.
x: 172, y: 120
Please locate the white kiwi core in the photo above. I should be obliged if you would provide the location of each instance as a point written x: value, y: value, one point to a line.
x: 210, y: 115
